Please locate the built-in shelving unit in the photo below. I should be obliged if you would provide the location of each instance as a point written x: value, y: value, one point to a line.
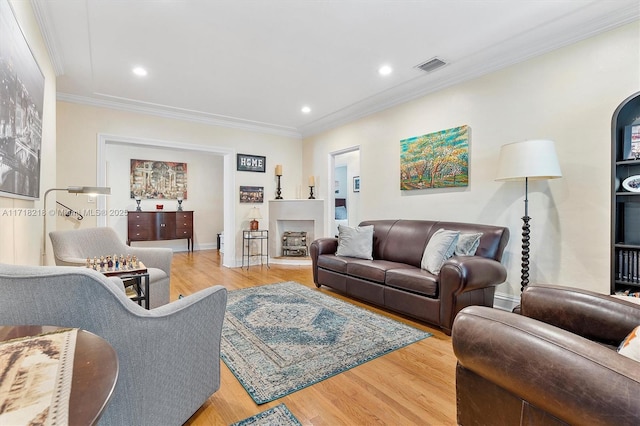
x: 625, y: 204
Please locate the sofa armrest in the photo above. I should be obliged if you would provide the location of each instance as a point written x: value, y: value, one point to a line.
x: 574, y: 379
x: 467, y: 280
x: 466, y: 273
x: 323, y: 246
x: 595, y: 316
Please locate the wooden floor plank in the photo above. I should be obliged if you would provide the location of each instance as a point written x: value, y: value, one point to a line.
x: 410, y: 386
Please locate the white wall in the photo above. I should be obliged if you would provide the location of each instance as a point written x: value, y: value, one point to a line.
x: 20, y: 224
x: 80, y: 125
x: 569, y: 96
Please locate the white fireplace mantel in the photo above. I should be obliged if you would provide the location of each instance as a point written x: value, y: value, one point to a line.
x: 294, y: 215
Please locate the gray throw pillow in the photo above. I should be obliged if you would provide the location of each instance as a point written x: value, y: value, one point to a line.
x: 355, y: 242
x: 440, y: 247
x: 467, y: 244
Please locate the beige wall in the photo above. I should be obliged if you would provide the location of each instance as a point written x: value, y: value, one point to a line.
x: 569, y: 96
x: 21, y: 221
x: 80, y: 125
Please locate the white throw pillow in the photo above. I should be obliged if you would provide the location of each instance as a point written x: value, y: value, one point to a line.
x: 355, y: 242
x: 630, y: 346
x: 439, y: 248
x: 467, y: 244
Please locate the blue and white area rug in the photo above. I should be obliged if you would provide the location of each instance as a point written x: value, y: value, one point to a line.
x: 276, y: 416
x: 280, y: 338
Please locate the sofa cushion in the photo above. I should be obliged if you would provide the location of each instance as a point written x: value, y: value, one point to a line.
x: 440, y: 247
x: 467, y: 244
x: 333, y: 263
x: 355, y: 242
x: 414, y: 280
x: 630, y: 346
x: 372, y: 270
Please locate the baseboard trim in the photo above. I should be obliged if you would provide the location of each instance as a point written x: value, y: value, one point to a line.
x: 505, y: 302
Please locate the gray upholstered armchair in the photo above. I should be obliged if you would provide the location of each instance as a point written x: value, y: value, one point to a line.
x: 168, y: 357
x: 71, y: 248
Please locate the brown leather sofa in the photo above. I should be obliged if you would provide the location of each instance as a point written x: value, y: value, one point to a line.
x: 394, y: 279
x: 554, y: 364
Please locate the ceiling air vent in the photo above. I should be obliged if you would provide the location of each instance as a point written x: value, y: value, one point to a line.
x: 431, y: 65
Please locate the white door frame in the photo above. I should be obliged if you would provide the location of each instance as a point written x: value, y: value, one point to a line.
x: 331, y: 204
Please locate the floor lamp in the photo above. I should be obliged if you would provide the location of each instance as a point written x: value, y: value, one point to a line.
x: 528, y: 160
x: 88, y: 190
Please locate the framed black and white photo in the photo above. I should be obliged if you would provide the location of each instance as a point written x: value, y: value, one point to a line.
x: 251, y: 163
x: 356, y: 184
x: 21, y: 100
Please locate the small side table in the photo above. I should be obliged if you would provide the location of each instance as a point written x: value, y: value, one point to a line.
x: 137, y: 278
x: 262, y: 237
x: 95, y: 371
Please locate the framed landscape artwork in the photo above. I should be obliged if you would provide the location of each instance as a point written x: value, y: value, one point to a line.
x: 21, y: 100
x: 158, y: 179
x: 435, y: 160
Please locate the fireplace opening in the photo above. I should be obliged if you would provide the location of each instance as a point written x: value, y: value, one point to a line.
x: 294, y: 243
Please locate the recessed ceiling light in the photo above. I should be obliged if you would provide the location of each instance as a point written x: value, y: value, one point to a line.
x: 306, y: 110
x: 385, y: 70
x: 139, y: 71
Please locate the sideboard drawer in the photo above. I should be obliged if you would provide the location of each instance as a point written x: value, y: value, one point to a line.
x: 184, y: 224
x: 139, y: 235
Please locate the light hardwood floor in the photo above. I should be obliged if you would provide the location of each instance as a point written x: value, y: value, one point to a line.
x: 414, y: 385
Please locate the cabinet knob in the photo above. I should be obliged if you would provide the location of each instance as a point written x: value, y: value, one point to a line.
x: 163, y: 225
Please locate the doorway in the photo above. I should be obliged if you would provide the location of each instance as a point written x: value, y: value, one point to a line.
x: 344, y: 199
x: 228, y: 178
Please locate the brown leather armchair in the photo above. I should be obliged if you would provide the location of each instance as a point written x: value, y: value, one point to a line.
x: 554, y: 364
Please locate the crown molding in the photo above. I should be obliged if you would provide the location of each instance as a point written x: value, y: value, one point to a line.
x: 184, y: 115
x: 420, y: 87
x: 50, y: 41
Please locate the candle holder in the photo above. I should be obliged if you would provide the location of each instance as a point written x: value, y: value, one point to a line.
x: 278, y: 189
x: 138, y: 209
x: 311, y: 197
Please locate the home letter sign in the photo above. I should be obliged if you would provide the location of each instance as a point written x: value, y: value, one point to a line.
x: 251, y: 163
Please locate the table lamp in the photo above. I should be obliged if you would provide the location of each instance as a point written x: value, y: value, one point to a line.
x: 254, y: 214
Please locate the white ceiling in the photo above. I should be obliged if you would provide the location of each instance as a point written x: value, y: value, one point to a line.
x: 254, y: 63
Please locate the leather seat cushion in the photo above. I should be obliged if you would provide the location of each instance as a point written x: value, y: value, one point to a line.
x: 333, y: 263
x: 415, y: 280
x: 372, y: 270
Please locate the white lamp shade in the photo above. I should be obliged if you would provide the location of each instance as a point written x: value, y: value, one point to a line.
x: 533, y: 159
x: 254, y: 213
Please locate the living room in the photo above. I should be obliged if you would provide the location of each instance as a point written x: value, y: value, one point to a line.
x: 568, y: 95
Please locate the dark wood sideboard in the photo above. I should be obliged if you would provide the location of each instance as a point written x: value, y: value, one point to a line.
x: 160, y: 225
